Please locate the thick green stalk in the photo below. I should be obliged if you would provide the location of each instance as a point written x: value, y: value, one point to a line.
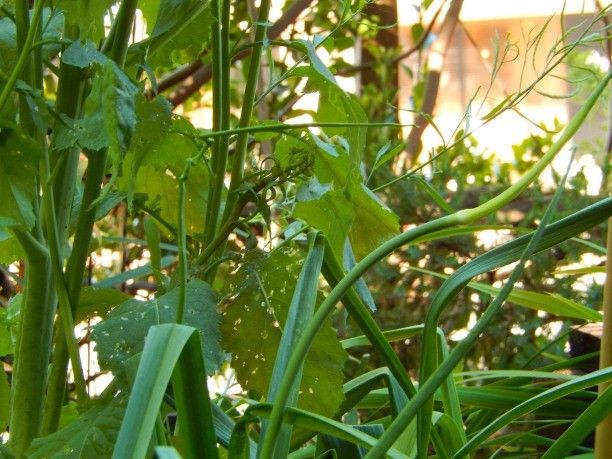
x: 603, y: 433
x: 247, y: 107
x: 38, y: 305
x: 462, y: 217
x: 32, y: 350
x: 221, y: 114
x: 96, y: 168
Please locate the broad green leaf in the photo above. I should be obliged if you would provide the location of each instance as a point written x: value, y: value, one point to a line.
x: 179, y: 31
x: 91, y: 436
x: 337, y: 162
x: 98, y: 302
x: 332, y: 214
x: 122, y: 333
x: 171, y: 351
x: 83, y: 54
x: 9, y: 324
x: 88, y: 15
x: 152, y: 166
x: 109, y: 115
x: 259, y: 295
x: 18, y: 170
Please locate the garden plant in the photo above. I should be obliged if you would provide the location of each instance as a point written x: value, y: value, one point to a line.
x: 263, y: 241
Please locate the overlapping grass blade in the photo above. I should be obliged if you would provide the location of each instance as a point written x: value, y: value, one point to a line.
x: 553, y: 304
x: 300, y: 313
x: 171, y: 351
x: 432, y: 376
x: 582, y: 426
x: 550, y: 395
x: 321, y: 424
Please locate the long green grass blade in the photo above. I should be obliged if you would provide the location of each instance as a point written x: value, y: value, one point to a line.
x: 529, y: 406
x: 431, y: 376
x: 553, y: 304
x: 508, y: 253
x: 582, y: 426
x: 300, y: 313
x: 171, y: 351
x: 321, y: 424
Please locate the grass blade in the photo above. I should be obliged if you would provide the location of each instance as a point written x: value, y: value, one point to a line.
x: 300, y: 313
x: 171, y: 350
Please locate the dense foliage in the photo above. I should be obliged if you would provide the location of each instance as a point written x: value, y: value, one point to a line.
x: 255, y: 252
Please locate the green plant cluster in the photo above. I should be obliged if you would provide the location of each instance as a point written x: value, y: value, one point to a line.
x: 265, y: 240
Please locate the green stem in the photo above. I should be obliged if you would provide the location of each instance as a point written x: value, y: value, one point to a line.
x: 247, y: 107
x: 287, y: 127
x: 38, y: 305
x: 121, y: 30
x: 116, y: 47
x: 22, y: 18
x: 32, y: 350
x: 461, y: 217
x: 66, y: 313
x: 221, y: 114
x: 74, y: 279
x: 182, y: 248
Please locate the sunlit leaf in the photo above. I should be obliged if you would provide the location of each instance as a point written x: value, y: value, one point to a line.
x: 259, y: 297
x: 122, y: 334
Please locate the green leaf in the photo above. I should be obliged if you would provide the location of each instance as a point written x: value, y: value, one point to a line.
x: 495, y: 111
x: 179, y: 31
x: 152, y: 166
x: 10, y: 250
x: 109, y: 114
x: 171, y: 350
x: 83, y: 54
x: 18, y: 171
x: 530, y: 405
x: 92, y: 435
x: 332, y: 214
x: 259, y: 295
x: 53, y: 23
x: 97, y: 302
x: 357, y: 212
x: 121, y: 334
x: 88, y: 15
x: 386, y: 153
